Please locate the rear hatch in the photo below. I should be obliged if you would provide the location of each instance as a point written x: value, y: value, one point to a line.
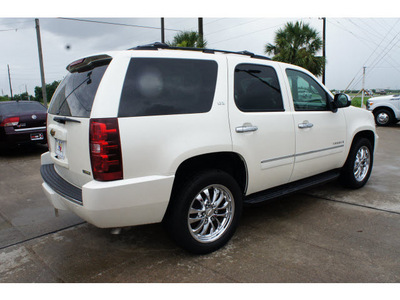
x: 69, y: 119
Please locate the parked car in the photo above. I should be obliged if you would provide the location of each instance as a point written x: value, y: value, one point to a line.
x: 386, y: 109
x: 22, y: 122
x: 187, y: 136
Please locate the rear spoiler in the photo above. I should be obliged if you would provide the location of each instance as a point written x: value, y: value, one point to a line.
x: 88, y: 63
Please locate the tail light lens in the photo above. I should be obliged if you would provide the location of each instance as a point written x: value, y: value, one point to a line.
x: 13, y: 121
x: 105, y: 149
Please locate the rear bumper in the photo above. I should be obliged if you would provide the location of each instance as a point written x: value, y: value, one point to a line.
x: 10, y: 137
x: 118, y: 203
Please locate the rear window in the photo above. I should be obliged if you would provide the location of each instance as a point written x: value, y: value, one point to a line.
x: 166, y: 86
x: 74, y: 97
x: 21, y: 107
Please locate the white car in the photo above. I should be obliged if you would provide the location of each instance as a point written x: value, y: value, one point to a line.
x: 187, y: 136
x: 386, y: 109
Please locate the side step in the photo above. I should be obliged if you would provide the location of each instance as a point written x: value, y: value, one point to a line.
x: 291, y: 187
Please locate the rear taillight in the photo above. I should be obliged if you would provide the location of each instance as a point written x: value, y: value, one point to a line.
x: 105, y: 149
x: 13, y: 121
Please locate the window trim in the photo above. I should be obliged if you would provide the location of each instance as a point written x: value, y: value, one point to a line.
x: 259, y: 110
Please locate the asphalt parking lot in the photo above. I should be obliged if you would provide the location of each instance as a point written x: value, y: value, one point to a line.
x: 325, y: 234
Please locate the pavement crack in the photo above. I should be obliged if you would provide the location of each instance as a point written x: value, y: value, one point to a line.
x: 40, y: 236
x: 353, y: 204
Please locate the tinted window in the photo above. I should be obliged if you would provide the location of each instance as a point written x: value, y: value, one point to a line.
x: 307, y: 94
x: 257, y: 89
x: 21, y: 107
x: 164, y: 86
x: 74, y: 97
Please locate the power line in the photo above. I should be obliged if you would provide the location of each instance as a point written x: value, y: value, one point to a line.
x: 249, y: 33
x: 117, y: 24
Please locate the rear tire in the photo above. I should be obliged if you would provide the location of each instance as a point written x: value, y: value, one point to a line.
x: 357, y: 169
x: 205, y: 211
x: 383, y: 117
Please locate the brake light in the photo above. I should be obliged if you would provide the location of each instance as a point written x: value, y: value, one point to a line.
x: 13, y: 121
x: 105, y: 149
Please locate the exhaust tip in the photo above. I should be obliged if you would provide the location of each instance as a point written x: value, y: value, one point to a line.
x: 116, y: 231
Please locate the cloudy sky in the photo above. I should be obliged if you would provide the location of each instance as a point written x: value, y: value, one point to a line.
x: 352, y: 42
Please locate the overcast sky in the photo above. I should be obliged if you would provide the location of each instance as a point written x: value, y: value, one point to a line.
x: 352, y: 43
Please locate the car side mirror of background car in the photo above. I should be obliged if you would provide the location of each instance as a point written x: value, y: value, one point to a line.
x: 342, y: 100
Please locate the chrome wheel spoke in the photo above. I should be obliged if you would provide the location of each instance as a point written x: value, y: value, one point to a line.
x: 361, y: 164
x: 210, y: 213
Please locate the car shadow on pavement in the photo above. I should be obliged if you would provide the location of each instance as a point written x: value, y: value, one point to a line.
x: 23, y: 150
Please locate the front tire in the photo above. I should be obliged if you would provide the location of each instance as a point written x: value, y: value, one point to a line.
x: 357, y: 169
x: 205, y: 212
x: 383, y: 117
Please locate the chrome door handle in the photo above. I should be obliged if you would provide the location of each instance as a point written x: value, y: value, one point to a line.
x: 250, y: 128
x: 305, y: 125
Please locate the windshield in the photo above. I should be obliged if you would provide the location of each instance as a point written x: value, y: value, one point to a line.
x: 74, y: 97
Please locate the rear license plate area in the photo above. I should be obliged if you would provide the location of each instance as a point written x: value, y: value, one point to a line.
x: 60, y: 149
x: 37, y: 136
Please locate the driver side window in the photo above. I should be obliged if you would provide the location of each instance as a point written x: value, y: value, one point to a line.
x: 307, y: 94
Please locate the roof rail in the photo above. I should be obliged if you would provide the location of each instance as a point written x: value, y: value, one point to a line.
x: 157, y: 45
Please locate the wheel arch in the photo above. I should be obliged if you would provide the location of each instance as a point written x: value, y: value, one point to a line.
x: 230, y: 162
x: 389, y: 108
x: 368, y: 134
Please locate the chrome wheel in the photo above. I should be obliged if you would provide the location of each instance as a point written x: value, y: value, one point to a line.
x: 362, y: 163
x: 382, y: 118
x: 211, y: 213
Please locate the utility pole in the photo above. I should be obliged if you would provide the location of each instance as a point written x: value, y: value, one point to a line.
x: 9, y: 80
x: 323, y: 48
x: 201, y: 33
x: 26, y: 91
x: 162, y: 31
x: 363, y: 88
x: 39, y: 41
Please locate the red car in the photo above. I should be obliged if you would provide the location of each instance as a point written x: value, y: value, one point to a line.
x: 22, y: 122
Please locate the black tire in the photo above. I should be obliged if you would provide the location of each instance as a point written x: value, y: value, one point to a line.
x: 357, y: 169
x: 192, y: 196
x: 383, y: 117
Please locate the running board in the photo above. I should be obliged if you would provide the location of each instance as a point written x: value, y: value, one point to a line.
x: 291, y: 187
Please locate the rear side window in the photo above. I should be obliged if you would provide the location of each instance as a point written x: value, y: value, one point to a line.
x: 166, y: 86
x: 257, y: 89
x: 74, y: 97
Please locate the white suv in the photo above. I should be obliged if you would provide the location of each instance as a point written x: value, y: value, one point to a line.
x: 386, y: 109
x: 187, y: 136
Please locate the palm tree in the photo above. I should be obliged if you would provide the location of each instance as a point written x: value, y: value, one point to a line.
x: 189, y: 39
x: 298, y: 44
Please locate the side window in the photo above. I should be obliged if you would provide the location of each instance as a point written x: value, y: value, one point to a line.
x: 166, y: 86
x: 257, y: 89
x: 307, y: 94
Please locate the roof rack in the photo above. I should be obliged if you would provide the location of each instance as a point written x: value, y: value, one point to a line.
x: 157, y: 45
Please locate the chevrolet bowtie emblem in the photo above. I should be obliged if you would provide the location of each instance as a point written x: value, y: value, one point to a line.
x: 52, y: 132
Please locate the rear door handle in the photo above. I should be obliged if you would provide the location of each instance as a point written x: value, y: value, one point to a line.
x: 305, y: 125
x: 246, y: 128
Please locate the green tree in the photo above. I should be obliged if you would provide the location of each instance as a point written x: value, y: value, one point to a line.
x: 298, y: 43
x: 50, y: 89
x: 190, y: 39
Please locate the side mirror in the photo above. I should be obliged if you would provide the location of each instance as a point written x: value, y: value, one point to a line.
x: 342, y: 100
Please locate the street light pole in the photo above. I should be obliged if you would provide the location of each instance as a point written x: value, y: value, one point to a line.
x: 39, y: 41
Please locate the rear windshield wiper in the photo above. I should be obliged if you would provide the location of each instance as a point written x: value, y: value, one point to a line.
x: 88, y: 79
x: 62, y: 120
